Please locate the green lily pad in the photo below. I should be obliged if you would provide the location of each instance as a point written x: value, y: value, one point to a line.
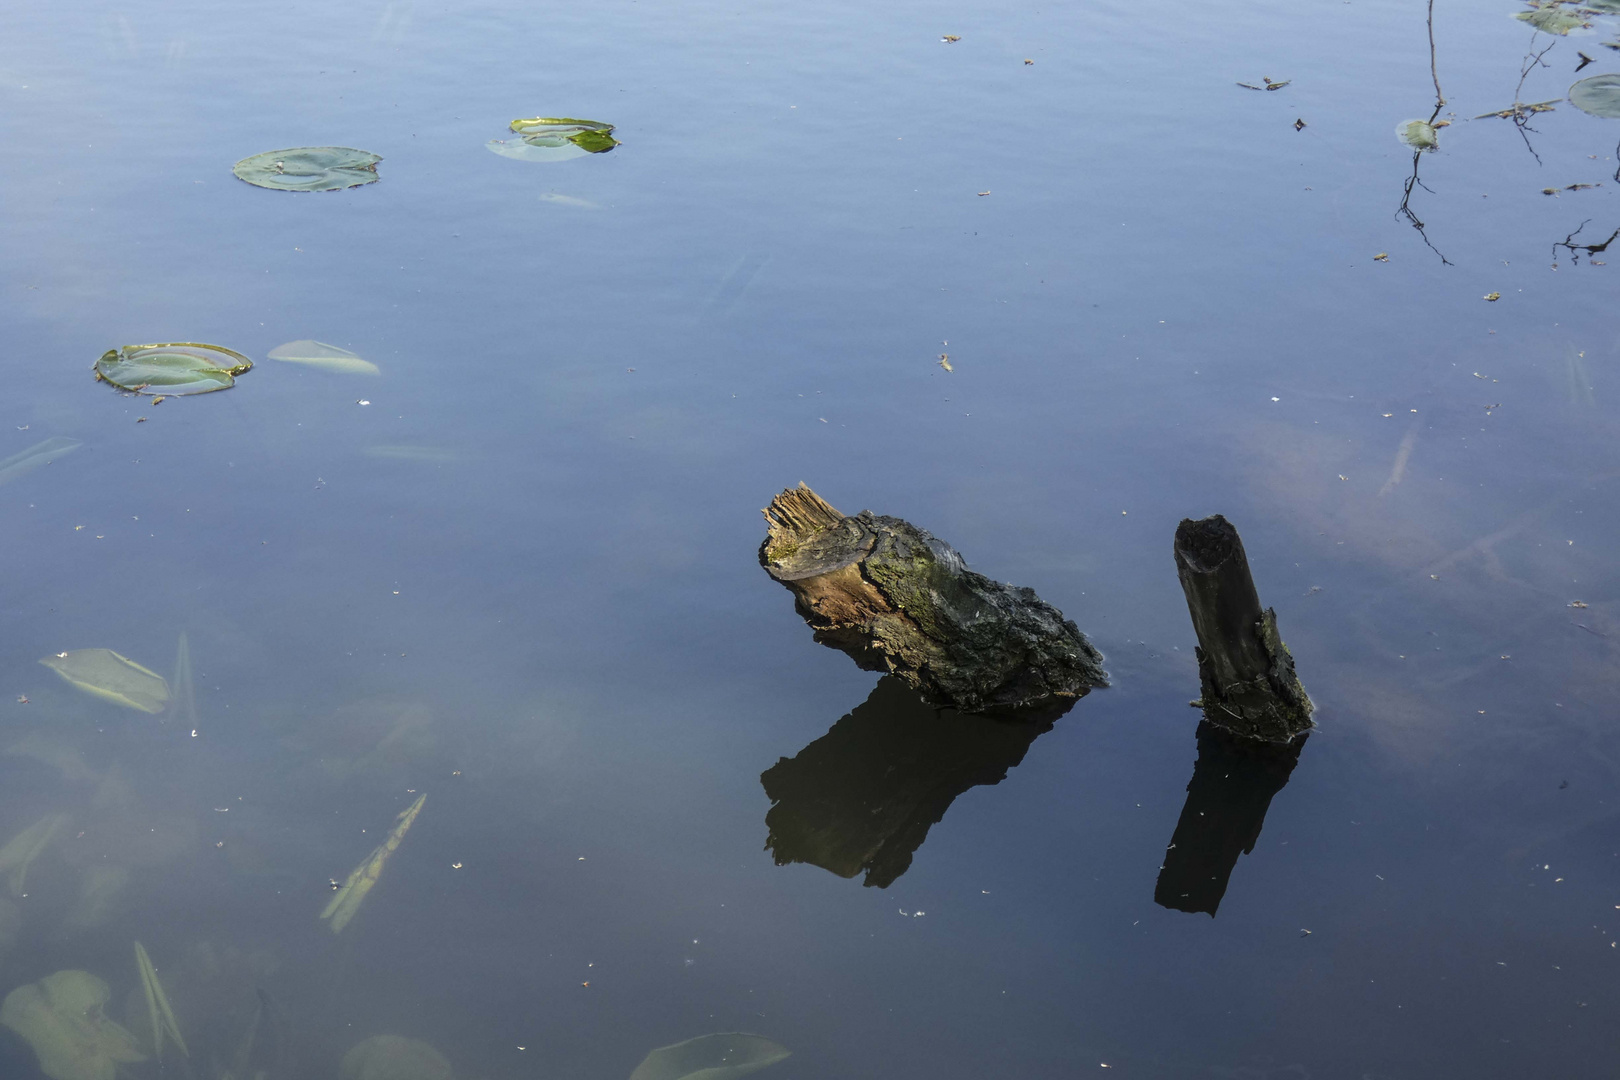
x: 1599, y: 96
x: 61, y: 1017
x: 318, y: 354
x: 555, y: 138
x: 711, y: 1057
x: 393, y: 1057
x: 172, y: 368
x: 309, y: 168
x: 1553, y: 18
x: 1418, y: 134
x: 112, y: 677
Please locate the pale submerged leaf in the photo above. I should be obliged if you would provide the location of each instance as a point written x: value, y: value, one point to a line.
x: 309, y: 168
x: 711, y: 1057
x: 173, y: 368
x: 62, y: 1018
x: 318, y: 354
x: 41, y: 453
x: 112, y: 677
x: 393, y: 1057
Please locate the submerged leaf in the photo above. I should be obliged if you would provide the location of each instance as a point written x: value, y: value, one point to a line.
x: 25, y: 847
x: 393, y: 1057
x: 1418, y: 134
x: 61, y: 1017
x: 184, y: 689
x: 157, y: 1005
x: 41, y: 453
x: 320, y: 355
x: 1552, y: 18
x: 172, y: 368
x: 309, y: 168
x: 711, y: 1057
x: 113, y: 677
x: 346, y: 901
x: 1599, y: 96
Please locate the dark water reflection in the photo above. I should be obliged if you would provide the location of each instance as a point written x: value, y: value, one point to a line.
x: 863, y: 796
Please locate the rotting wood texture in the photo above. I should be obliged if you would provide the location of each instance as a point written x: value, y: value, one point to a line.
x: 1246, y: 672
x: 898, y: 599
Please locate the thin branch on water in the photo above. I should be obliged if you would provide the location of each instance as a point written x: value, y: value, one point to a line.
x: 1413, y: 182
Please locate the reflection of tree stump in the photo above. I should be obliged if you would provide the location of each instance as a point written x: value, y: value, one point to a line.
x: 1227, y: 798
x: 1247, y: 673
x: 897, y: 599
x: 863, y: 796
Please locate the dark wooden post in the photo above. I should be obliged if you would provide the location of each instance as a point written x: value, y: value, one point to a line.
x: 1249, y: 686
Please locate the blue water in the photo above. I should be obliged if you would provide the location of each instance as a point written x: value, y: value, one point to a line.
x: 517, y: 570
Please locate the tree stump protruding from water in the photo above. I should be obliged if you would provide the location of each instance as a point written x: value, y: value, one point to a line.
x: 897, y: 599
x: 1247, y: 674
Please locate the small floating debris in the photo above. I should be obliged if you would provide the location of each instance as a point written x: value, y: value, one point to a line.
x: 555, y: 138
x: 309, y: 168
x: 172, y: 369
x: 1519, y: 109
x: 112, y: 677
x: 1493, y: 297
x: 1269, y: 85
x: 318, y: 354
x: 346, y: 901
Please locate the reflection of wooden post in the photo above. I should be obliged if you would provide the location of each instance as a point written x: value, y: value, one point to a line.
x: 1249, y: 685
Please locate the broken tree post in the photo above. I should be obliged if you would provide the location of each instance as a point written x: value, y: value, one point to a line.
x: 1249, y: 686
x: 897, y: 599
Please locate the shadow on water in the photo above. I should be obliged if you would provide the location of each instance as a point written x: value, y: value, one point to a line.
x: 863, y: 796
x: 1231, y: 789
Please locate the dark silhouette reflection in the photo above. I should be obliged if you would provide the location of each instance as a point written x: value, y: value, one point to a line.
x: 863, y: 796
x: 1227, y: 798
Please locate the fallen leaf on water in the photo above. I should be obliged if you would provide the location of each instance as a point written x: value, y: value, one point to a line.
x: 1299, y: 125
x: 1577, y: 603
x: 1382, y: 256
x: 945, y: 361
x: 1493, y: 296
x: 948, y: 38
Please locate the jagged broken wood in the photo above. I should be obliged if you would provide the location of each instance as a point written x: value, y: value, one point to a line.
x: 1247, y: 673
x: 898, y: 599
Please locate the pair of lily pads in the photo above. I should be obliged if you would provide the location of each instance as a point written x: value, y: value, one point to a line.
x: 555, y: 138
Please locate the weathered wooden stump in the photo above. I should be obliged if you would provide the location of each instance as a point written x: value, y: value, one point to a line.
x: 1249, y: 686
x: 897, y: 599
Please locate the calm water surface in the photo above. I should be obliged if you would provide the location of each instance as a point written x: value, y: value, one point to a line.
x: 522, y: 579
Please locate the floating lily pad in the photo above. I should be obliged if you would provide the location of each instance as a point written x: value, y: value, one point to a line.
x: 309, y: 168
x: 555, y: 138
x: 1553, y: 18
x: 61, y: 1017
x: 41, y: 453
x: 1418, y: 134
x: 711, y: 1057
x: 393, y: 1057
x: 172, y: 368
x: 112, y: 677
x: 1599, y: 95
x: 326, y: 357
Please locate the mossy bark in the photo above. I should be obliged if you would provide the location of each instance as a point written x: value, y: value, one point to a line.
x: 897, y: 599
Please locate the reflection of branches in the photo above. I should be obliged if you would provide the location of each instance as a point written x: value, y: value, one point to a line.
x: 1576, y: 249
x: 1521, y: 113
x: 1412, y: 181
